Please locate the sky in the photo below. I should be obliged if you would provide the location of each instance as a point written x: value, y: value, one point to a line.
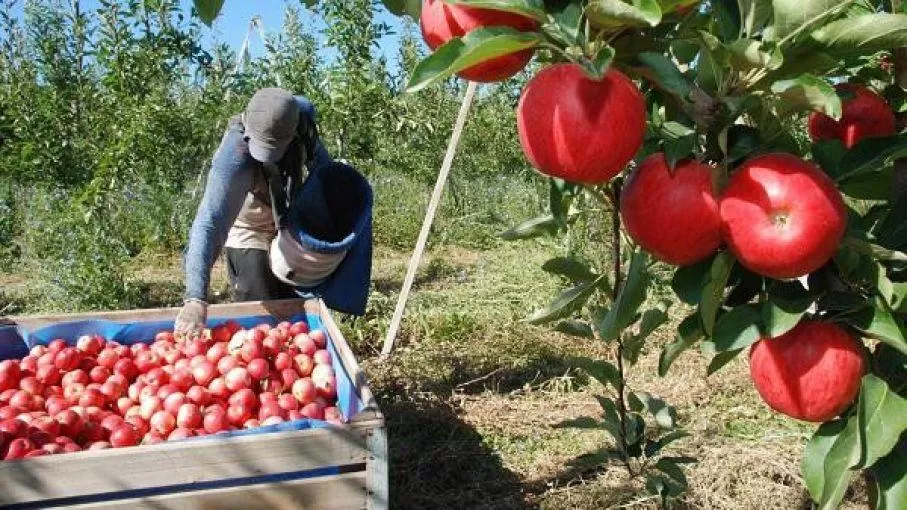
x: 233, y: 22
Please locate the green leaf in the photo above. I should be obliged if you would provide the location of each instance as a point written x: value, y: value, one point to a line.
x: 877, y: 322
x: 713, y: 290
x: 754, y: 14
x: 836, y: 472
x: 684, y: 51
x: 618, y: 14
x: 654, y: 447
x: 653, y: 318
x: 464, y: 52
x: 738, y: 328
x: 688, y: 333
x: 727, y: 19
x: 568, y: 16
x: 742, y: 142
x: 665, y: 415
x: 869, y: 185
x: 749, y: 54
x: 208, y: 10
x: 787, y: 303
x: 664, y: 74
x: 798, y: 15
x: 883, y: 418
x: 870, y: 154
x: 534, y: 9
x: 597, y: 68
x: 874, y: 250
x: 808, y: 93
x: 893, y: 230
x: 575, y: 328
x: 678, y: 149
x: 412, y: 8
x: 543, y: 225
x: 862, y: 35
x: 688, y: 281
x: 570, y: 268
x: 564, y: 304
x: 828, y: 154
x: 603, y: 372
x: 813, y: 462
x: 720, y: 360
x: 668, y: 467
x: 889, y: 481
x: 631, y: 296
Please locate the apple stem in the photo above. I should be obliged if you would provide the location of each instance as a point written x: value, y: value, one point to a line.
x: 621, y: 381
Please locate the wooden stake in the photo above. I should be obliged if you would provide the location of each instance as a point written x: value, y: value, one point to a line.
x: 429, y: 219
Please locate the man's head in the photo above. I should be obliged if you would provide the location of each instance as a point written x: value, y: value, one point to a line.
x: 270, y: 123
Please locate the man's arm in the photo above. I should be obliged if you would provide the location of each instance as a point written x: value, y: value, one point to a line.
x: 229, y: 180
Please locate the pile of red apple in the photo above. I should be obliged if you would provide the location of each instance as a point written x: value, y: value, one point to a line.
x: 101, y: 394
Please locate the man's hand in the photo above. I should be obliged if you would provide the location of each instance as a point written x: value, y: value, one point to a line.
x: 191, y: 320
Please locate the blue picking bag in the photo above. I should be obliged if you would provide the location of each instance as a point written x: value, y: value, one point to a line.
x: 15, y: 342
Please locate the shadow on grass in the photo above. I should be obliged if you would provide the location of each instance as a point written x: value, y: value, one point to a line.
x: 438, y: 461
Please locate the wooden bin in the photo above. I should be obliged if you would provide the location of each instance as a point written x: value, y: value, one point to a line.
x: 335, y: 467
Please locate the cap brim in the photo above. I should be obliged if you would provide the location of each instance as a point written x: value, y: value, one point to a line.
x: 267, y: 152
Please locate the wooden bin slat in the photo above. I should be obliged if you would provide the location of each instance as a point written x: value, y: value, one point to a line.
x: 333, y: 492
x: 169, y: 464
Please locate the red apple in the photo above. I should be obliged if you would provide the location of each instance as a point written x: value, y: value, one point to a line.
x: 289, y: 402
x: 218, y: 388
x: 189, y: 417
x: 781, y: 216
x: 180, y: 433
x: 319, y: 337
x: 865, y: 115
x: 198, y: 395
x: 216, y: 352
x: 305, y: 344
x: 57, y: 345
x: 67, y: 359
x: 237, y: 379
x: 126, y: 368
x: 812, y: 372
x: 173, y: 402
x: 283, y: 361
x: 579, y: 129
x: 238, y: 414
x: 269, y: 409
x: 90, y: 345
x: 322, y: 357
x: 672, y: 214
x: 162, y: 422
x: 312, y: 410
x: 18, y: 448
x: 108, y: 358
x: 297, y: 328
x: 139, y: 424
x: 226, y: 364
x: 245, y: 397
x: 215, y: 422
x: 441, y: 21
x: 304, y: 390
x: 258, y: 369
x: 123, y: 436
x: 47, y: 375
x: 288, y: 377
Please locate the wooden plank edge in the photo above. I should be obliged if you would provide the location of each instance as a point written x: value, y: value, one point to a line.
x: 281, y: 309
x: 341, y: 491
x: 348, y: 360
x: 376, y: 468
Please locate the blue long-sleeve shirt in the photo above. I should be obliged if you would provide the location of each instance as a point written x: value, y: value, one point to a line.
x: 231, y: 178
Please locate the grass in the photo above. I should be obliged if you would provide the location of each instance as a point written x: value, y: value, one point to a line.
x: 473, y: 395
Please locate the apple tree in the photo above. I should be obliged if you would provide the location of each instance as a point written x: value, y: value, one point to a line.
x: 755, y: 148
